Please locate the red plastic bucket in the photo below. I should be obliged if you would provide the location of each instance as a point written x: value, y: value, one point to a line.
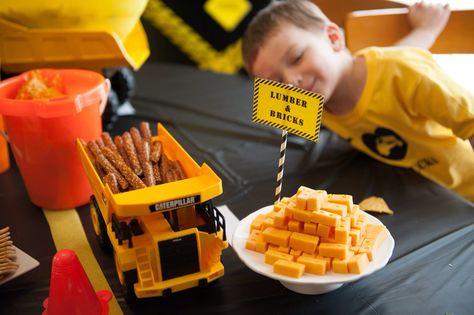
x: 4, y: 160
x: 42, y: 134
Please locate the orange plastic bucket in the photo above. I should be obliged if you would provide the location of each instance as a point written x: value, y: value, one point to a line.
x: 42, y: 134
x: 4, y: 160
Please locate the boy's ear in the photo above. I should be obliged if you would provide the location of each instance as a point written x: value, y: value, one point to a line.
x: 335, y: 36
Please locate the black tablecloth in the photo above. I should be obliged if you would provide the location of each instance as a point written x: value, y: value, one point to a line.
x: 431, y: 270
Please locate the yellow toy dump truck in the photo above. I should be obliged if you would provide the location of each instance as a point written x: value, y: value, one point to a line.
x: 71, y: 34
x: 167, y: 237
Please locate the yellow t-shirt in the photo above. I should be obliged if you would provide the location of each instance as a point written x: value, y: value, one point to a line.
x: 411, y: 114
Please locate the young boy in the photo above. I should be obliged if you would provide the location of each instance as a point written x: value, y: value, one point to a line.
x: 393, y: 103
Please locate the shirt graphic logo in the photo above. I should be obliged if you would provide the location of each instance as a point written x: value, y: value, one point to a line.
x: 386, y: 143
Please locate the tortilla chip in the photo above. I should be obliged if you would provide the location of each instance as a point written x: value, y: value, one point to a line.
x: 37, y: 87
x: 375, y: 204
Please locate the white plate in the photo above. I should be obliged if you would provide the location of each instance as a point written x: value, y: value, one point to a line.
x: 25, y: 262
x: 306, y: 284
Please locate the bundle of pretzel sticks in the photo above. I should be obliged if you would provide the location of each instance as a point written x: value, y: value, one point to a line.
x: 132, y: 161
x: 7, y: 253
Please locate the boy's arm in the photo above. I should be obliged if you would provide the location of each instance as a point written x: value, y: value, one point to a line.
x: 427, y: 20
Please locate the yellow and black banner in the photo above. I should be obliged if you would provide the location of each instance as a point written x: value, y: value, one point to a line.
x: 208, y: 32
x: 287, y: 107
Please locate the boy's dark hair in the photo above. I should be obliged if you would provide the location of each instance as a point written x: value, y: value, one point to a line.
x: 301, y: 13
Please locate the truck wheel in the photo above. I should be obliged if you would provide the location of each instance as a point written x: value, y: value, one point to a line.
x: 100, y: 228
x: 127, y: 280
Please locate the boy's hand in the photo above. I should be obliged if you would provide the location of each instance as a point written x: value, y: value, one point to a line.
x: 427, y: 21
x: 429, y: 16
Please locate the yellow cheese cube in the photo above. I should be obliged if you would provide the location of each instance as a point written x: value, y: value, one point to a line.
x: 341, y: 234
x: 295, y: 253
x: 288, y: 268
x: 302, y: 189
x: 261, y: 246
x: 295, y: 226
x: 284, y: 249
x: 301, y: 215
x: 327, y: 260
x: 250, y: 245
x: 310, y: 228
x: 340, y: 265
x: 378, y: 233
x: 276, y: 236
x: 278, y: 206
x: 334, y: 250
x: 335, y: 208
x: 281, y: 220
x: 304, y: 242
x: 272, y: 247
x: 325, y: 217
x: 268, y: 222
x: 313, y: 265
x: 346, y: 222
x: 271, y: 256
x: 356, y: 237
x: 368, y: 250
x: 256, y: 235
x: 257, y: 222
x: 354, y: 216
x: 354, y: 209
x: 361, y: 226
x: 301, y: 200
x: 358, y: 263
x: 323, y: 230
x: 341, y: 199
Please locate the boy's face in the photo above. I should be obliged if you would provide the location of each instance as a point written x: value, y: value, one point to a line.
x: 306, y: 59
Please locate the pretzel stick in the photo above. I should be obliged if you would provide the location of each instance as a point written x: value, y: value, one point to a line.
x: 99, y: 169
x: 131, y: 153
x: 111, y: 180
x: 176, y: 167
x: 9, y: 248
x: 108, y: 141
x: 127, y: 172
x: 164, y: 165
x: 5, y: 244
x: 156, y: 173
x: 143, y: 150
x: 106, y: 164
x: 155, y: 153
x: 145, y: 131
x: 121, y: 149
x: 5, y: 230
x: 100, y: 143
x: 9, y: 263
x: 169, y: 176
x: 8, y: 269
x: 8, y: 255
x: 88, y: 152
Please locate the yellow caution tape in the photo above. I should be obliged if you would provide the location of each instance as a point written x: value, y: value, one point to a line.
x: 68, y: 233
x: 191, y: 43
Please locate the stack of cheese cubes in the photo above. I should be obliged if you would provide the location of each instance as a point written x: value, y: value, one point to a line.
x: 315, y: 232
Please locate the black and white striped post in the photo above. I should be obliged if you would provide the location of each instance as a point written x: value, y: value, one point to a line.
x: 281, y: 165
